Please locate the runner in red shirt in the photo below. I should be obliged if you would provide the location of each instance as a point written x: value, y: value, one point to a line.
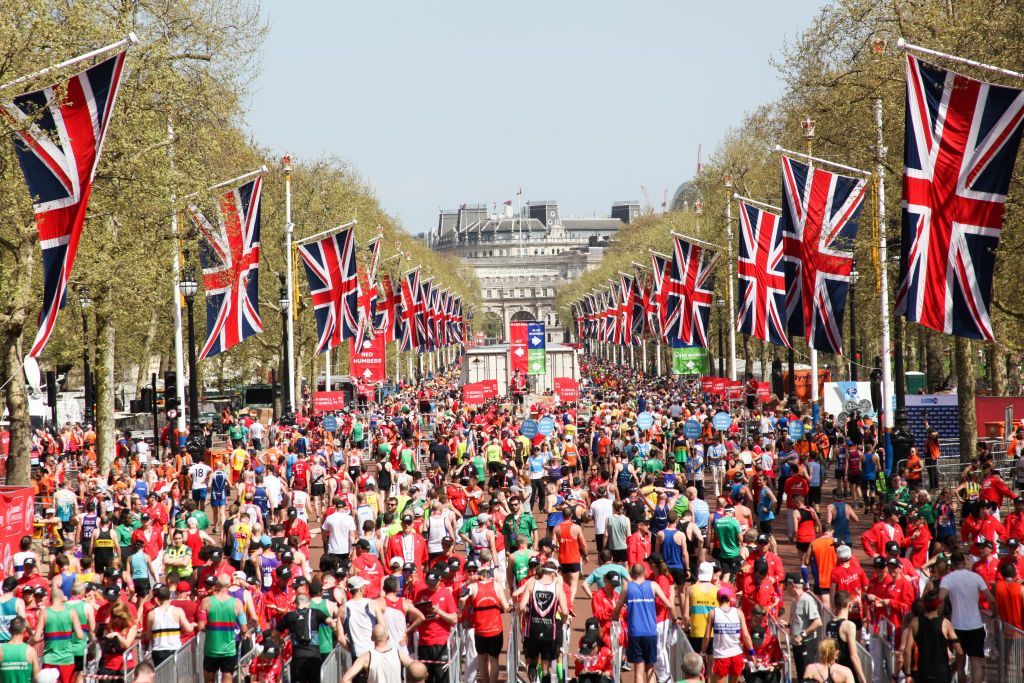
x: 369, y: 567
x: 849, y: 578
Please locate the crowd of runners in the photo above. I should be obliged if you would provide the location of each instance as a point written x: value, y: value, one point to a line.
x: 619, y: 536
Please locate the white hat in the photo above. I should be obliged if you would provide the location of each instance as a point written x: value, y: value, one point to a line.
x: 357, y: 582
x: 705, y: 571
x: 844, y: 552
x: 396, y: 561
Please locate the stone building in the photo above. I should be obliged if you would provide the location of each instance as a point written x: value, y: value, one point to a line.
x: 521, y: 260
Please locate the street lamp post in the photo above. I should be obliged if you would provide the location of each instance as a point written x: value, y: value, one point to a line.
x: 285, y: 302
x: 85, y: 302
x: 188, y: 288
x: 854, y: 275
x: 721, y: 347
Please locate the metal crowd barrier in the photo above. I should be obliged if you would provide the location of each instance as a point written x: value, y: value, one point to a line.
x: 884, y: 647
x: 866, y: 662
x: 782, y: 635
x: 615, y: 636
x: 1011, y: 656
x: 514, y: 655
x: 455, y: 640
x: 678, y: 649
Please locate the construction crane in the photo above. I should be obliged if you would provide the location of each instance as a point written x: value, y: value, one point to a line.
x: 648, y: 207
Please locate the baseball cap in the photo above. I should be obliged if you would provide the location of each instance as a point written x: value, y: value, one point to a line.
x: 725, y: 592
x: 409, y: 567
x: 892, y: 562
x: 292, y: 512
x: 844, y: 552
x: 613, y: 578
x: 31, y: 562
x: 239, y: 575
x: 472, y: 565
x: 878, y: 562
x: 363, y: 543
x: 432, y: 576
x: 705, y: 571
x: 184, y: 587
x: 287, y: 556
x: 985, y: 543
x: 357, y: 582
x: 762, y: 538
x: 892, y: 547
x: 395, y: 562
x: 283, y: 572
x: 407, y: 519
x: 111, y: 593
x: 795, y: 577
x: 300, y: 581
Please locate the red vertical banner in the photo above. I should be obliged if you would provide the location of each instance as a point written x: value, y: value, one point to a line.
x: 489, y: 387
x: 718, y: 386
x: 567, y: 389
x: 5, y: 443
x: 473, y: 394
x: 764, y: 392
x: 17, y: 512
x: 368, y: 364
x: 707, y: 384
x: 518, y: 347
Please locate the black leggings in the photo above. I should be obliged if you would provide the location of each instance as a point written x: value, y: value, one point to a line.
x: 539, y: 494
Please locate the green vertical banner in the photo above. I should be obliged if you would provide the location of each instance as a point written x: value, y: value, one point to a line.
x: 537, y: 355
x: 689, y: 360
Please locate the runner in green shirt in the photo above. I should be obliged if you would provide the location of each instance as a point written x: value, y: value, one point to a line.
x: 357, y: 433
x: 727, y: 528
x: 317, y: 602
x: 58, y: 626
x: 219, y: 614
x: 18, y: 662
x: 519, y: 567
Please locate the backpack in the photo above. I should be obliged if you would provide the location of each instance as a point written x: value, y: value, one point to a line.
x: 305, y: 632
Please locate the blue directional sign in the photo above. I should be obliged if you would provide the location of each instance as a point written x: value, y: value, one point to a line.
x: 722, y: 421
x: 644, y: 420
x: 330, y: 423
x: 691, y: 430
x: 529, y: 428
x: 536, y: 351
x: 796, y: 429
x: 546, y: 425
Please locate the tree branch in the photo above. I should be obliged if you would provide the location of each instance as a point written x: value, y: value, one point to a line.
x: 198, y: 56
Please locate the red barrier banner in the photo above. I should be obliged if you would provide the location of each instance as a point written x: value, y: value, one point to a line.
x: 567, y: 388
x: 718, y: 385
x: 328, y: 400
x: 17, y: 512
x: 733, y: 389
x: 707, y: 384
x: 368, y: 364
x: 490, y: 387
x: 473, y: 394
x: 518, y: 347
x: 764, y: 391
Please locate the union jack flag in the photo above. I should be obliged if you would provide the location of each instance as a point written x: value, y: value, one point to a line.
x: 427, y: 294
x: 230, y: 256
x: 624, y: 333
x: 58, y: 136
x: 333, y: 283
x: 962, y: 137
x: 367, y: 305
x: 819, y: 224
x: 611, y: 315
x: 413, y: 335
x: 659, y: 295
x: 762, y: 275
x: 458, y: 323
x: 643, y: 306
x: 388, y: 319
x: 691, y: 284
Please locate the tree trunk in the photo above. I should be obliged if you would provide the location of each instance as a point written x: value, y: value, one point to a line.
x: 910, y: 352
x: 105, y: 424
x: 966, y: 384
x: 19, y: 463
x: 934, y: 373
x: 1013, y: 374
x: 15, y: 394
x: 922, y: 349
x: 997, y: 369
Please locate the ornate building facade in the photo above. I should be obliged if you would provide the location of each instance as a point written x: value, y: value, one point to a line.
x: 521, y: 260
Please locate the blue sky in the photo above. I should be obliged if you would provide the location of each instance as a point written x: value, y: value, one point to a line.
x: 444, y: 102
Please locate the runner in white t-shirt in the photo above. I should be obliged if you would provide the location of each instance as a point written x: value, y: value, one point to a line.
x: 200, y: 475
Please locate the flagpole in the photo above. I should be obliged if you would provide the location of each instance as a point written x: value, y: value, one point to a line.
x: 808, y: 126
x: 763, y: 205
x: 127, y: 41
x: 245, y: 176
x: 729, y: 259
x: 887, y: 387
x: 694, y: 240
x: 324, y: 233
x: 179, y: 353
x: 289, y: 236
x: 901, y: 44
x: 657, y: 357
x: 645, y: 357
x: 327, y: 369
x: 824, y: 162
